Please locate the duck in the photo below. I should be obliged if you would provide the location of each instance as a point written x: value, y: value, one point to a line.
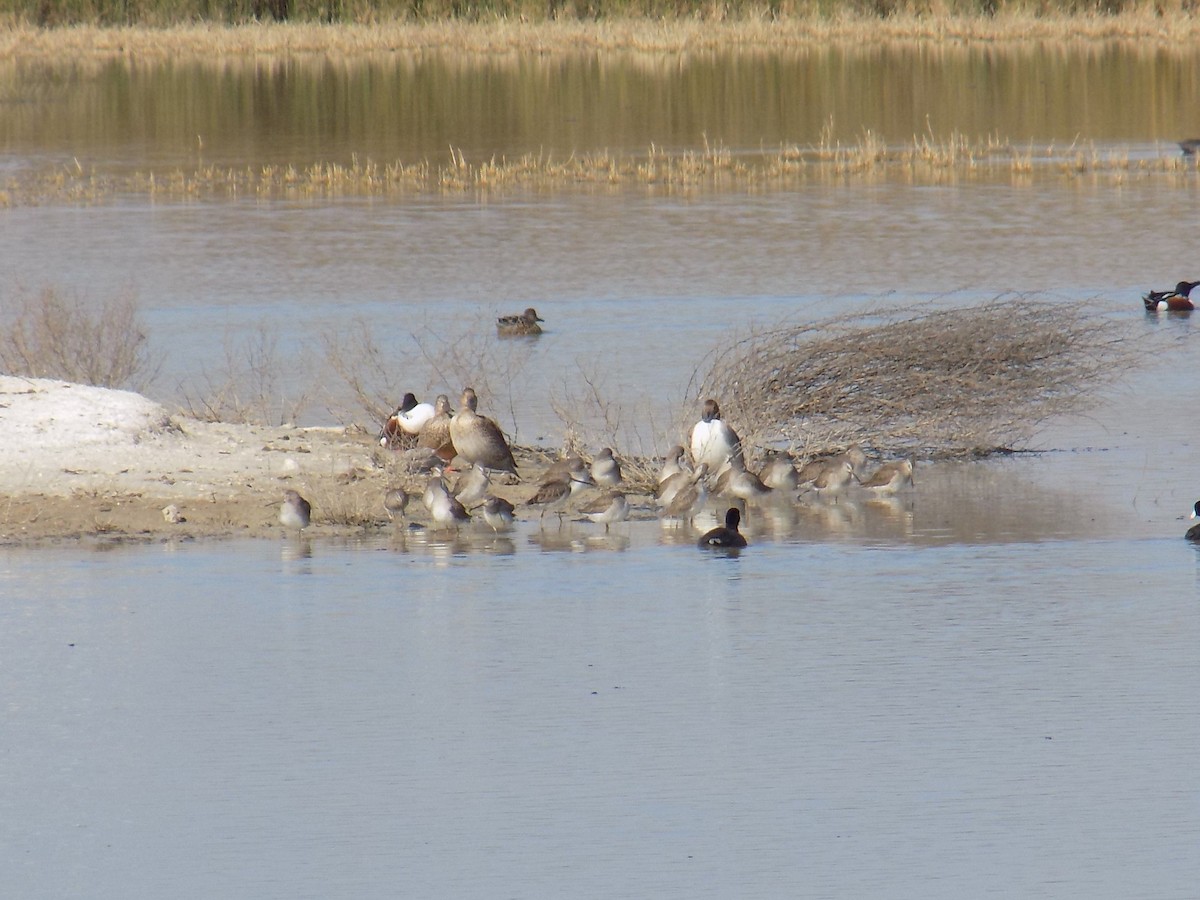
x: 712, y: 440
x: 607, y: 509
x: 726, y: 536
x: 1193, y: 533
x: 295, y: 512
x: 498, y: 513
x: 479, y: 440
x: 605, y: 469
x: 408, y: 419
x: 1177, y: 300
x: 890, y: 478
x: 523, y: 325
x: 1189, y: 146
x: 435, y: 435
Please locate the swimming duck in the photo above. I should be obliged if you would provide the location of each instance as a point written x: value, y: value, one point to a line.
x: 712, y: 440
x: 478, y: 439
x: 727, y: 536
x: 1177, y: 300
x: 295, y: 511
x: 890, y: 477
x: 606, y: 509
x: 435, y: 435
x: 1193, y: 533
x: 523, y: 325
x: 605, y: 469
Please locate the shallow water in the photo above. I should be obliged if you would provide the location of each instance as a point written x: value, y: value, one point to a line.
x: 982, y: 688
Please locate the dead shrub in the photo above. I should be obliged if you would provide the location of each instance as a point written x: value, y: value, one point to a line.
x: 56, y: 334
x: 975, y: 380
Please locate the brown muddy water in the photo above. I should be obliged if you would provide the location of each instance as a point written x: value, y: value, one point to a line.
x: 986, y: 687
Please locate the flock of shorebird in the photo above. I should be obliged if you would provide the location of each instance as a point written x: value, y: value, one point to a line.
x: 712, y: 465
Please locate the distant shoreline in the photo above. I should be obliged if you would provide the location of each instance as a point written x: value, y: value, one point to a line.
x: 18, y: 41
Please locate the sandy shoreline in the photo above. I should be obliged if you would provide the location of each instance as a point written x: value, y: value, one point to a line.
x: 79, y: 461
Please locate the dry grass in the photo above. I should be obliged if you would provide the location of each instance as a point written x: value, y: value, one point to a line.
x: 934, y: 382
x: 757, y: 28
x: 923, y: 160
x: 55, y: 334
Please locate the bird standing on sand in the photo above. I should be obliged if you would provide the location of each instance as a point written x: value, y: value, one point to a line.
x: 712, y: 440
x: 295, y: 512
x: 408, y: 420
x: 727, y: 536
x: 435, y: 435
x: 523, y: 325
x: 606, y: 471
x: 478, y: 439
x: 554, y: 492
x: 395, y: 502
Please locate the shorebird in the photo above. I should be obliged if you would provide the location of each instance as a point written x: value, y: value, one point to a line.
x: 555, y: 492
x: 395, y: 502
x: 295, y: 511
x: 890, y: 477
x: 833, y: 478
x: 442, y: 505
x: 727, y: 536
x: 478, y: 439
x: 735, y: 481
x: 690, y: 498
x: 1177, y: 300
x: 472, y: 486
x: 498, y: 513
x: 778, y: 472
x: 523, y: 325
x: 607, y: 509
x: 668, y: 490
x: 606, y: 471
x: 672, y: 463
x: 812, y: 469
x: 435, y: 435
x: 712, y: 440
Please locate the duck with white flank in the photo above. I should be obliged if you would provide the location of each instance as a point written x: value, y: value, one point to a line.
x: 1177, y: 300
x: 727, y: 536
x: 1193, y: 533
x: 712, y: 440
x: 523, y: 325
x: 406, y: 422
x: 478, y: 439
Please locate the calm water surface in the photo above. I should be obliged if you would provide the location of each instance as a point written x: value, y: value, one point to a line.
x: 984, y: 689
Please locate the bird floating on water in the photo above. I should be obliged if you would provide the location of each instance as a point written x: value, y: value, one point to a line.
x: 1193, y: 533
x: 1176, y: 300
x: 523, y: 325
x: 726, y: 536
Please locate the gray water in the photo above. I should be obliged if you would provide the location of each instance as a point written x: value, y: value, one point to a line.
x: 986, y: 688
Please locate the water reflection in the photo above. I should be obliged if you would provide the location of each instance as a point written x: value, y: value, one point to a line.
x: 413, y: 106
